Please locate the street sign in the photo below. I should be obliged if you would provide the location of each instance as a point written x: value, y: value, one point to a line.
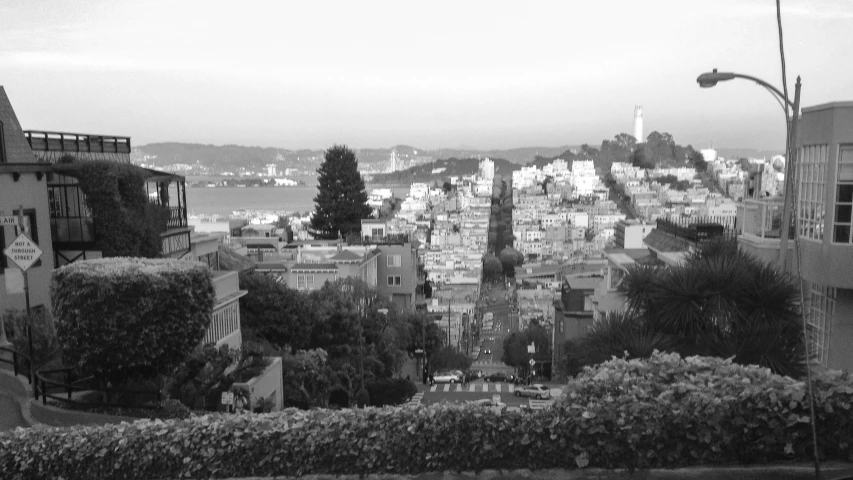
x: 227, y: 398
x: 532, y: 362
x: 24, y: 252
x: 8, y: 220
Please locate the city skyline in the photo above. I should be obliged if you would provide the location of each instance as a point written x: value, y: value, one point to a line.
x: 484, y: 75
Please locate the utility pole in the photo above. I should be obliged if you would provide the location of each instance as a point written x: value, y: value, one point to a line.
x: 790, y: 170
x: 448, y: 321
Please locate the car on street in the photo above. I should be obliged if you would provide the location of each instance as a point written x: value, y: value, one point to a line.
x: 447, y: 377
x: 498, y: 377
x: 487, y: 352
x: 537, y: 391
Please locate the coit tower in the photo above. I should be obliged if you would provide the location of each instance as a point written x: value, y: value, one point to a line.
x: 638, y: 124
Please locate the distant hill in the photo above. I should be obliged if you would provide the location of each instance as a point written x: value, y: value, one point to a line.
x: 441, y: 170
x: 236, y: 158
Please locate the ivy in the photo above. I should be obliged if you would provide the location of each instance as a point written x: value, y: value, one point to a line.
x: 127, y: 224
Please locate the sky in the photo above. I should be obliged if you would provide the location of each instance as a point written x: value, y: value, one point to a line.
x: 483, y: 74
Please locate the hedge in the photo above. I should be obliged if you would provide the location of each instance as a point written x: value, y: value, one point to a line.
x: 119, y: 318
x: 624, y: 428
x: 390, y: 391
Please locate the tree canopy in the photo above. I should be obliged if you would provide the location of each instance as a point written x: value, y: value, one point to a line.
x: 341, y: 201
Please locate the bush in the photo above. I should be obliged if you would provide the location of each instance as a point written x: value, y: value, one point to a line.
x: 392, y: 391
x: 45, y: 346
x: 124, y: 318
x: 725, y: 414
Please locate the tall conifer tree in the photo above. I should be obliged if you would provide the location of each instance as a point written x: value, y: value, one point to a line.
x: 341, y: 200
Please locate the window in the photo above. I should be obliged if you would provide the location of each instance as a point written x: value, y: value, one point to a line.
x: 843, y: 218
x: 821, y: 309
x: 394, y: 260
x: 811, y: 172
x: 394, y: 280
x: 377, y: 232
x: 305, y: 282
x: 70, y: 218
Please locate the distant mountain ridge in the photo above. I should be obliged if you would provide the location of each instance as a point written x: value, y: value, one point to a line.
x: 441, y: 170
x: 233, y: 158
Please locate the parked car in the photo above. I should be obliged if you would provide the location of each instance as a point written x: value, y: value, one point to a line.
x: 447, y: 377
x: 498, y: 377
x: 487, y: 352
x: 537, y: 391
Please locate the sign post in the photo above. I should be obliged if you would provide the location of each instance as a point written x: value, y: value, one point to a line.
x: 23, y: 252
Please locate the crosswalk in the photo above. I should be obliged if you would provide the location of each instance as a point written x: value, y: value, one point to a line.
x: 474, y: 388
x: 416, y: 400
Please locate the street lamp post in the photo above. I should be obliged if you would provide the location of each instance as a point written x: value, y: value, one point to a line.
x: 710, y: 79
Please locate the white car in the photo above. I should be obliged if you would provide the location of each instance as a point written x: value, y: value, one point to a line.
x: 537, y: 391
x: 447, y: 377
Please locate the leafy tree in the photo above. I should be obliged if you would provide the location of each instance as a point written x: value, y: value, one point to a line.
x: 449, y: 359
x: 510, y: 258
x: 515, y: 347
x: 306, y: 378
x: 492, y: 268
x: 697, y: 160
x: 275, y: 313
x: 425, y: 334
x: 341, y: 201
x: 447, y: 187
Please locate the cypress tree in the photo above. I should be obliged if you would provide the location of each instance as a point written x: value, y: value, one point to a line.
x: 341, y: 200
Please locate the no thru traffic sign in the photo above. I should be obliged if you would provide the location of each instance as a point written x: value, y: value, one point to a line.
x: 24, y: 252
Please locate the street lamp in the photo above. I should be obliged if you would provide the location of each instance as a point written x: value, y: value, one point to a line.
x: 710, y: 79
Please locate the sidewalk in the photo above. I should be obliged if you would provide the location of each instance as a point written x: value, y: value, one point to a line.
x: 10, y: 413
x: 13, y: 393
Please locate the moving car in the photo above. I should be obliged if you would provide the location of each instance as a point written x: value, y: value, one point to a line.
x: 487, y: 352
x: 447, y: 377
x: 537, y: 391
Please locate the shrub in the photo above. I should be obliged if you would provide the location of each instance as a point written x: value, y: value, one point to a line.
x: 45, y: 347
x: 391, y: 391
x: 612, y: 424
x: 124, y: 318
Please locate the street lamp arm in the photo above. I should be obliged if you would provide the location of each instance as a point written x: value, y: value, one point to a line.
x: 709, y: 79
x: 771, y: 88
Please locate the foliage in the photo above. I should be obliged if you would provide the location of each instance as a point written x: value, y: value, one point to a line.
x: 201, y: 378
x: 127, y: 224
x: 665, y: 412
x: 275, y: 313
x: 449, y: 359
x: 341, y: 199
x: 515, y: 347
x: 492, y: 268
x: 123, y: 318
x: 674, y: 182
x: 173, y: 409
x: 391, y: 391
x: 721, y: 302
x: 45, y: 344
x: 510, y: 258
x: 424, y: 333
x: 306, y: 378
x: 618, y: 334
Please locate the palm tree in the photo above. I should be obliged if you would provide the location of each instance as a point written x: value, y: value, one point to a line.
x: 722, y: 302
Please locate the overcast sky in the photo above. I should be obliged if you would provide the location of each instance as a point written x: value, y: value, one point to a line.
x: 490, y: 74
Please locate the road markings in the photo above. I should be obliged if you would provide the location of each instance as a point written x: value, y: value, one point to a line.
x: 511, y: 388
x: 433, y: 388
x: 447, y: 388
x: 472, y: 387
x: 416, y: 400
x: 498, y: 387
x: 459, y: 387
x: 540, y: 404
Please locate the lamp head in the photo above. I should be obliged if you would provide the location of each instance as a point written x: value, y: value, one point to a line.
x: 709, y: 79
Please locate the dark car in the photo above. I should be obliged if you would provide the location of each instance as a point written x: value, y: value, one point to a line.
x: 498, y: 377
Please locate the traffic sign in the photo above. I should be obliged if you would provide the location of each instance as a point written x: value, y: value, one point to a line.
x: 9, y: 220
x: 532, y: 362
x: 227, y: 398
x: 24, y: 252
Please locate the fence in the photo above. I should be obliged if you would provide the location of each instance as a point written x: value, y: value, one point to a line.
x: 49, y: 387
x: 21, y: 364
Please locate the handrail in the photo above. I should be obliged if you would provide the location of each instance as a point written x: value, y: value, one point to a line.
x: 15, y: 361
x: 47, y: 384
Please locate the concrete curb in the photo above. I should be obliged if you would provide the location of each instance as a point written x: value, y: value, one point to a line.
x: 829, y: 471
x: 18, y: 389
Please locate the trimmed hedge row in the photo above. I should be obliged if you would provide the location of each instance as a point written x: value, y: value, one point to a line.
x: 120, y: 318
x: 621, y: 429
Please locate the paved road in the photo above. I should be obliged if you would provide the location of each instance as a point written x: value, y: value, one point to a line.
x: 10, y: 414
x: 456, y: 393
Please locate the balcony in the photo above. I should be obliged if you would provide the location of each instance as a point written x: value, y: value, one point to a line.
x: 49, y: 147
x: 762, y: 227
